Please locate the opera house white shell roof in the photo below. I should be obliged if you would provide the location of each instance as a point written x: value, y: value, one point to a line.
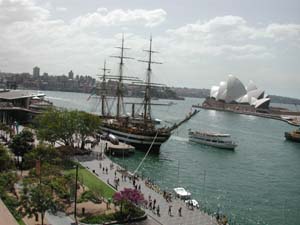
x: 214, y: 91
x: 251, y: 86
x: 233, y: 90
x: 221, y: 95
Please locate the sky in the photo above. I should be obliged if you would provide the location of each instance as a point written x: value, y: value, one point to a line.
x: 199, y: 42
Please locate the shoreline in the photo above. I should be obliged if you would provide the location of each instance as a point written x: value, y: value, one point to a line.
x: 263, y: 115
x: 188, y: 216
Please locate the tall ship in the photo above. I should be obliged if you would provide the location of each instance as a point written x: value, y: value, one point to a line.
x: 138, y: 130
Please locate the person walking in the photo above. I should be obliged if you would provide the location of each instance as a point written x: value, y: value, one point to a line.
x: 170, y: 210
x: 157, y: 210
x: 179, y: 211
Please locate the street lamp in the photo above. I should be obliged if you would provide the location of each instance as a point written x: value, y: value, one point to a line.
x: 75, y: 205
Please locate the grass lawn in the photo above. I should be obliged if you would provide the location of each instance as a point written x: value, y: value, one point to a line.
x: 21, y: 222
x: 92, y: 182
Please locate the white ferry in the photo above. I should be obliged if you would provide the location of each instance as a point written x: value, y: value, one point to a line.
x: 212, y: 139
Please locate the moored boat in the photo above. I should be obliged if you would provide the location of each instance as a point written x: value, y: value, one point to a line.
x: 141, y: 138
x: 139, y: 131
x: 182, y: 193
x: 293, y: 135
x: 212, y: 139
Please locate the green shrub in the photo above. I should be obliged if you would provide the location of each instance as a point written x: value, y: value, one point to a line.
x: 90, y: 196
x: 99, y: 219
x: 118, y: 216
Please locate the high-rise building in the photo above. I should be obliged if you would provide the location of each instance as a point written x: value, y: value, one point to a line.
x: 71, y: 75
x: 36, y: 72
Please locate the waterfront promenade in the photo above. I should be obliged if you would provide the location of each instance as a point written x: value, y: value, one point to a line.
x: 188, y: 217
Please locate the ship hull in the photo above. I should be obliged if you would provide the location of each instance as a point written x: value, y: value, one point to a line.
x: 217, y: 145
x: 141, y: 142
x: 291, y: 137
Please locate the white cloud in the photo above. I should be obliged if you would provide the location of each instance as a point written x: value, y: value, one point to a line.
x: 103, y: 17
x: 221, y: 29
x: 12, y: 11
x: 281, y: 32
x: 31, y: 36
x: 233, y: 37
x: 61, y: 9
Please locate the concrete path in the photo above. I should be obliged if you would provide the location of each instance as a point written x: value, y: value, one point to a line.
x: 189, y: 217
x: 59, y: 219
x: 6, y: 218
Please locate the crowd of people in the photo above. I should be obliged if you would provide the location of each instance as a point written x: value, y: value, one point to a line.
x: 152, y: 204
x: 152, y: 186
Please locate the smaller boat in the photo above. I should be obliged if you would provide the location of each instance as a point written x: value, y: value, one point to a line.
x: 192, y: 202
x: 293, y: 135
x: 212, y: 139
x: 182, y: 193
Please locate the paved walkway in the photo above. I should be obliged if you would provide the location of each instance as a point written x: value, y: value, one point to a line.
x: 189, y: 217
x: 59, y: 219
x: 6, y: 218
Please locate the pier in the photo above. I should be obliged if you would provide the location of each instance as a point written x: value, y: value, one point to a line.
x: 189, y: 216
x: 120, y: 149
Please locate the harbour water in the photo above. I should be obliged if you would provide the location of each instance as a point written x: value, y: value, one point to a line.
x: 258, y: 183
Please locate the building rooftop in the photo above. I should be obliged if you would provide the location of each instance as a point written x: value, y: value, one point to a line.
x: 16, y: 94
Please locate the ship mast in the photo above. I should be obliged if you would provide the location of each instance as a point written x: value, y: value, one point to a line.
x: 147, y: 96
x: 104, y: 89
x: 119, y: 93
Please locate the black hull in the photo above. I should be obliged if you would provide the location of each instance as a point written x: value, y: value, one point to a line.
x: 290, y: 137
x: 155, y: 149
x: 141, y: 142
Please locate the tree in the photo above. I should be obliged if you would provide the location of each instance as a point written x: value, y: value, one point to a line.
x: 128, y: 195
x: 44, y: 153
x: 22, y: 143
x: 5, y: 161
x: 5, y: 131
x: 7, y: 182
x: 56, y: 125
x: 65, y: 126
x: 38, y: 199
x: 87, y: 125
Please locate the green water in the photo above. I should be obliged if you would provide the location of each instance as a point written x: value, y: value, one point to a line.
x: 258, y: 183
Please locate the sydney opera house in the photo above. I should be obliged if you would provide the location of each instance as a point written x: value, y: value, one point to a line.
x: 234, y: 95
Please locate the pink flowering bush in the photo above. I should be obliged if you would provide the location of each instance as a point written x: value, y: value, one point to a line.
x: 128, y: 196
